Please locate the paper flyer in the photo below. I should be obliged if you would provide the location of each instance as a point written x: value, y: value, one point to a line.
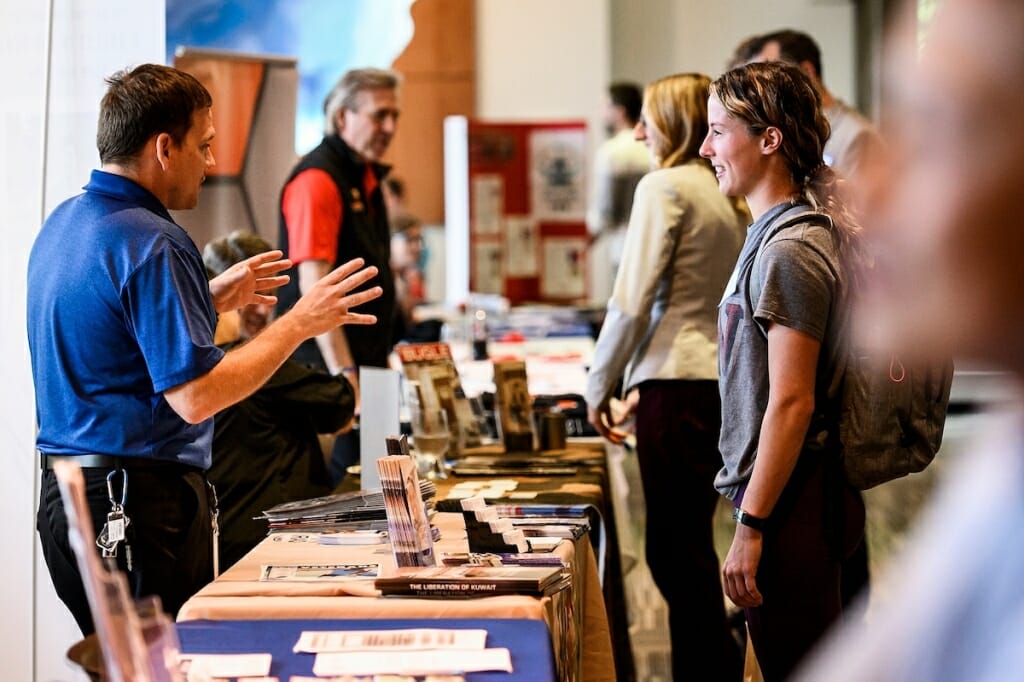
x: 557, y: 169
x: 317, y: 572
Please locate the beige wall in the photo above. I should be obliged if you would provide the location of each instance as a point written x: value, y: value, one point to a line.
x: 543, y: 59
x: 668, y: 36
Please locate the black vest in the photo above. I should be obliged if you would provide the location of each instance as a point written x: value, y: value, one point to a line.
x: 364, y: 233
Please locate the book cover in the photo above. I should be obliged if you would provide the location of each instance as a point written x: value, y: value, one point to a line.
x: 415, y: 357
x: 471, y: 580
x: 514, y: 406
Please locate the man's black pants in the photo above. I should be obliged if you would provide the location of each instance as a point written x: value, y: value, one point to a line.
x: 170, y: 535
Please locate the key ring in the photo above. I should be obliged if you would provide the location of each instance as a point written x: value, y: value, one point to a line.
x: 124, y: 487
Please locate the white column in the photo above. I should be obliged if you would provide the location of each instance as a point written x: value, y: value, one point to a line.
x: 53, y: 84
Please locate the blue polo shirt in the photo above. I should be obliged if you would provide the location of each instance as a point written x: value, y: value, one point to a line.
x: 119, y: 310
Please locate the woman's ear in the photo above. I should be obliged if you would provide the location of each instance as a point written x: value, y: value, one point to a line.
x: 771, y: 140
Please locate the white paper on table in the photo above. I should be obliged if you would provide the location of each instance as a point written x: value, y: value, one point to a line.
x: 318, y: 572
x: 228, y: 665
x: 493, y: 493
x: 460, y: 493
x: 409, y: 639
x: 411, y: 662
x: 503, y: 484
x: 468, y: 485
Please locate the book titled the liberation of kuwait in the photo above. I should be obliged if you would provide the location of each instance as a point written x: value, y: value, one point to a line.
x: 473, y: 581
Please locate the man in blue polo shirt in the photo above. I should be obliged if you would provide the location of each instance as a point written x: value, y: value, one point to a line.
x: 121, y: 319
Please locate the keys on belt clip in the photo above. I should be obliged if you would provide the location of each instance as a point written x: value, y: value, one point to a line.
x: 113, y: 531
x: 215, y: 525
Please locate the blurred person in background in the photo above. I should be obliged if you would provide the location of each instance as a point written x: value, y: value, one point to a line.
x: 333, y: 209
x: 408, y: 253
x: 945, y: 227
x: 266, y: 448
x: 619, y: 163
x: 855, y: 142
x: 659, y: 340
x: 394, y: 195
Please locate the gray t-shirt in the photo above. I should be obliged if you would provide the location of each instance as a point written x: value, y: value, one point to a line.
x: 800, y: 273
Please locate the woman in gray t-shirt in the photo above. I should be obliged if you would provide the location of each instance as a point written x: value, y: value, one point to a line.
x: 778, y: 362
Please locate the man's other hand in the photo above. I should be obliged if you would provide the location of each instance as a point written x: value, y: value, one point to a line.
x: 251, y: 281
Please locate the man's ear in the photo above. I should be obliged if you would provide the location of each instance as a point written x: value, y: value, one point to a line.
x: 162, y: 146
x: 339, y: 119
x: 771, y: 140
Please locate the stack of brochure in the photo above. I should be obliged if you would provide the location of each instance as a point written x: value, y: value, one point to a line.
x: 355, y: 510
x: 409, y: 528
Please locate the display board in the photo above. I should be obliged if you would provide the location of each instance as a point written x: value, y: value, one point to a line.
x: 515, y: 209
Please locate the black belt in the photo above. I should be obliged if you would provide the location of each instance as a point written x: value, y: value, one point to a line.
x: 110, y: 462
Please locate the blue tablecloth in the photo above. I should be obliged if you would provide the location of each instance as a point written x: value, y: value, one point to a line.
x: 528, y: 641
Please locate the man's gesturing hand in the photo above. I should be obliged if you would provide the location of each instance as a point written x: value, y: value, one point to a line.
x: 328, y: 303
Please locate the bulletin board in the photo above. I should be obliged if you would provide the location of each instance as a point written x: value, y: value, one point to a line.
x: 526, y: 188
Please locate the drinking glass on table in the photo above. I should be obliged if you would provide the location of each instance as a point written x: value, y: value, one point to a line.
x: 430, y: 439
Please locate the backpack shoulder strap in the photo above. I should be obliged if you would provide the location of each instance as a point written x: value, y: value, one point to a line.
x: 794, y: 216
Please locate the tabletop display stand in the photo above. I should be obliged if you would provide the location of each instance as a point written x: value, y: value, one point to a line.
x: 487, y: 532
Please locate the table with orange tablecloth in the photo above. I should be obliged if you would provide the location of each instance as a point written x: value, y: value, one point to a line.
x: 581, y: 642
x: 585, y: 480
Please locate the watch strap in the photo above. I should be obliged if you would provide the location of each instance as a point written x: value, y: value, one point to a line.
x: 748, y: 520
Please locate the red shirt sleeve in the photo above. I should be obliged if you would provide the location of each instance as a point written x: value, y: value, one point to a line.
x: 312, y: 211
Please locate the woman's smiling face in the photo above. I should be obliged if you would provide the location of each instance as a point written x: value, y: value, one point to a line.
x: 735, y: 154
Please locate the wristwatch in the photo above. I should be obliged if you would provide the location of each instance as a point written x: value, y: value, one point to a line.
x: 748, y: 520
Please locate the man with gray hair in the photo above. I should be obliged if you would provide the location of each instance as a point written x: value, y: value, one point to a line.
x: 333, y: 210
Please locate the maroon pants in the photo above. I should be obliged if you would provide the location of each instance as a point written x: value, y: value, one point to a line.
x: 677, y: 428
x: 815, y: 525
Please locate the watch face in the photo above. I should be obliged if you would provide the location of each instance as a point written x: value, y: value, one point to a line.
x: 746, y: 519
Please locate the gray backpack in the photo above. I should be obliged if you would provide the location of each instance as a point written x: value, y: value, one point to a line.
x: 891, y: 412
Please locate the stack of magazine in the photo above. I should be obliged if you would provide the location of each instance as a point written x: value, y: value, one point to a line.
x: 355, y: 510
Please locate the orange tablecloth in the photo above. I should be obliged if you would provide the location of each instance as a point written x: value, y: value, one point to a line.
x: 239, y: 595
